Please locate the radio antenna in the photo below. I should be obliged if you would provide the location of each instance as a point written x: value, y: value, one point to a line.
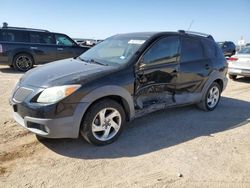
x: 191, y: 23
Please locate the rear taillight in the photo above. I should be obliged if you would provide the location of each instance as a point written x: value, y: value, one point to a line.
x: 232, y: 59
x: 1, y: 48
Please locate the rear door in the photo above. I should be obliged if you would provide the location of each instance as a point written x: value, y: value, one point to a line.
x: 195, y: 66
x: 43, y: 46
x: 157, y: 72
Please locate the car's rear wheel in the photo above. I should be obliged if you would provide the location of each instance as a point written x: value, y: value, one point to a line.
x: 233, y: 77
x: 211, y: 98
x: 103, y: 122
x: 23, y: 62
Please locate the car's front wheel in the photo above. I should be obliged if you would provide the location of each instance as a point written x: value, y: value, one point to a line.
x: 211, y: 98
x: 103, y: 122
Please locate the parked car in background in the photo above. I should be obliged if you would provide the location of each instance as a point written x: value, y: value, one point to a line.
x: 239, y: 64
x: 227, y: 47
x: 119, y: 79
x: 22, y: 48
x: 247, y: 44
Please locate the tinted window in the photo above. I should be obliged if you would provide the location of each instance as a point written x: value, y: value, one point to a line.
x: 42, y: 38
x: 210, y: 48
x: 163, y: 51
x: 191, y: 50
x: 14, y: 36
x: 63, y: 40
x: 232, y: 45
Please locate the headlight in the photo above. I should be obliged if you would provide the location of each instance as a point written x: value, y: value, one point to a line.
x: 54, y: 94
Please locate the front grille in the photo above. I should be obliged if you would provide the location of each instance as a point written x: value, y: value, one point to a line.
x: 21, y: 94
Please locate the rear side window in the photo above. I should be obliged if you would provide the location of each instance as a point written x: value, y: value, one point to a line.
x: 191, y: 50
x: 13, y: 36
x: 210, y: 48
x: 42, y: 38
x: 163, y: 51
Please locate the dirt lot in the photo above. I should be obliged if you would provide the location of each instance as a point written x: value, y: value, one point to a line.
x: 182, y: 147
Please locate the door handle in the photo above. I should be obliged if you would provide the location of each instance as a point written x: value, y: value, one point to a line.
x: 33, y: 48
x: 59, y: 49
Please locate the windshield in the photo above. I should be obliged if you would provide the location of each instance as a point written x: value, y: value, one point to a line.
x: 116, y: 50
x: 244, y: 51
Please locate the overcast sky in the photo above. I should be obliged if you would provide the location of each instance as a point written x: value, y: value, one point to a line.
x: 224, y: 19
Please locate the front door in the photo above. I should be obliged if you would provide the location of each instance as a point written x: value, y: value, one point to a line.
x: 157, y: 73
x: 65, y: 47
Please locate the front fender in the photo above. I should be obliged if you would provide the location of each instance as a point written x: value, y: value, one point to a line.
x: 113, y: 90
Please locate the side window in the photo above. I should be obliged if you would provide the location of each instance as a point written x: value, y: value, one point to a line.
x: 191, y: 50
x: 210, y: 48
x: 163, y: 51
x: 14, y: 36
x: 42, y: 38
x: 63, y: 40
x: 8, y: 36
x: 47, y: 38
x: 35, y: 37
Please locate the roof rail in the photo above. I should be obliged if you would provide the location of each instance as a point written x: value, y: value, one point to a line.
x: 24, y: 28
x: 196, y: 33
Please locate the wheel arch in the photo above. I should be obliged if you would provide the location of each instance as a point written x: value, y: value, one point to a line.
x: 217, y: 77
x: 22, y: 52
x: 116, y: 93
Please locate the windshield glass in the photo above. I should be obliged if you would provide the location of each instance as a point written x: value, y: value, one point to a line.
x: 245, y: 50
x: 116, y: 50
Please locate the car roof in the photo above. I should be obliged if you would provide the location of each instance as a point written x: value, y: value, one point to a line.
x: 163, y: 33
x: 29, y: 30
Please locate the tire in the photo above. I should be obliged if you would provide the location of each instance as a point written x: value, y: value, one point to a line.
x: 23, y: 62
x: 102, y: 132
x: 233, y: 77
x: 209, y: 103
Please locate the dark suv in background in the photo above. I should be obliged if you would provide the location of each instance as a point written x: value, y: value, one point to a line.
x: 227, y: 47
x: 22, y: 48
x: 117, y: 80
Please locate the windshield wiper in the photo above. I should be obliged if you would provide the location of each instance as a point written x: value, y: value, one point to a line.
x: 92, y: 61
x: 96, y: 62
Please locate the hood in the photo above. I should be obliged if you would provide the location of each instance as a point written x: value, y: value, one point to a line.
x: 63, y: 72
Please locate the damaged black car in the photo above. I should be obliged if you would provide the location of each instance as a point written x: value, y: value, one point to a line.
x: 119, y: 79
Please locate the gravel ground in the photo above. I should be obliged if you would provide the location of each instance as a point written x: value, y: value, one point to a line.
x: 181, y: 147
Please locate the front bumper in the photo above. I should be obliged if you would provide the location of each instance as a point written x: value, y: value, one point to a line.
x: 51, y: 128
x: 64, y: 127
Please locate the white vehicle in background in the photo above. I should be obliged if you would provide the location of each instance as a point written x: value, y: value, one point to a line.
x: 239, y: 64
